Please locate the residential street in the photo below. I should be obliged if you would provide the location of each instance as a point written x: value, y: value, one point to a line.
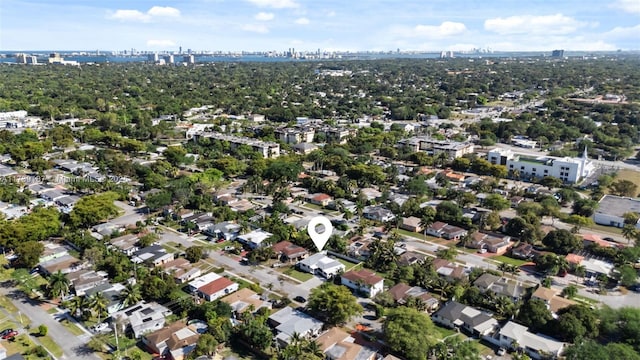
x: 72, y: 346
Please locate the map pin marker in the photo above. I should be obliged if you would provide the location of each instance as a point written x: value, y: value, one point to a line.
x: 320, y: 239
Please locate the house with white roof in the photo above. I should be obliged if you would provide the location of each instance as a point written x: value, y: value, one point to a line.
x: 255, y: 239
x: 321, y: 264
x: 142, y: 317
x: 535, y: 345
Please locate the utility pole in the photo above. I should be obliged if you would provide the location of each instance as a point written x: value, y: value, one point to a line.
x: 115, y: 330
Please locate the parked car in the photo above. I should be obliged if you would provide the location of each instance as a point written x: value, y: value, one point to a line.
x: 9, y: 334
x: 300, y: 299
x: 501, y: 351
x: 100, y: 327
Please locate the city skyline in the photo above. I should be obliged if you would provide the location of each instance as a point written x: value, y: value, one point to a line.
x: 330, y: 25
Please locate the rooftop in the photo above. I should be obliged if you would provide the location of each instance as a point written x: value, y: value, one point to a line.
x: 617, y: 205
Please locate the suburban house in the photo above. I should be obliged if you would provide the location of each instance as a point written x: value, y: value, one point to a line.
x: 593, y: 239
x: 142, y: 317
x: 52, y: 251
x: 493, y: 243
x: 451, y: 232
x: 448, y: 270
x: 111, y: 292
x: 436, y: 228
x: 411, y: 223
x: 254, y: 239
x: 336, y: 344
x: 320, y: 199
x: 455, y: 315
x: 175, y: 341
x: 359, y: 247
x: 181, y: 270
x: 321, y: 264
x: 516, y: 200
x: 105, y: 229
x: 212, y: 286
x: 363, y: 281
x: 127, y: 244
x: 225, y: 230
x: 378, y: 213
x: 245, y: 299
x: 154, y: 255
x: 552, y: 299
x: 523, y: 251
x: 83, y: 280
x: 65, y: 264
x: 536, y: 346
x: 410, y: 257
x: 289, y: 321
x: 512, y: 289
x: 401, y: 292
x: 287, y: 251
x: 595, y: 267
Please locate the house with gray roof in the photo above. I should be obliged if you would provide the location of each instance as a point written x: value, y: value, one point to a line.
x: 455, y: 315
x: 611, y: 210
x: 501, y: 286
x: 142, y: 318
x: 288, y: 321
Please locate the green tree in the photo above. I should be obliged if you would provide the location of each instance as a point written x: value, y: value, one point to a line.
x: 409, y: 332
x: 29, y: 253
x: 130, y: 295
x: 42, y: 330
x: 570, y: 291
x: 333, y: 303
x: 194, y: 253
x: 624, y: 188
x: 534, y: 314
x: 98, y: 303
x: 92, y: 209
x: 562, y: 241
x: 58, y: 285
x: 496, y: 202
x: 627, y: 275
x: 206, y: 345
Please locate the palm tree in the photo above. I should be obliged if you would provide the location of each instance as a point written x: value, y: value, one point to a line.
x: 130, y: 295
x: 76, y: 306
x: 503, y: 267
x: 58, y: 285
x: 425, y: 223
x: 580, y: 272
x: 629, y: 232
x: 314, y: 349
x: 99, y: 303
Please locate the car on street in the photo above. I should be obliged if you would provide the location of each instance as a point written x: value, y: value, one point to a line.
x: 8, y: 334
x: 300, y: 299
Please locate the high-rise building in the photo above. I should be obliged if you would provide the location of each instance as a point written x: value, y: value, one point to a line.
x: 153, y: 57
x: 188, y: 59
x: 557, y: 53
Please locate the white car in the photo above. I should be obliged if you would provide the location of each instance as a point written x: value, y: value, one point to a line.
x: 100, y: 327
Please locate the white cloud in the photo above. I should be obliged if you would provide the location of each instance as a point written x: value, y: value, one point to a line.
x: 160, y: 43
x: 263, y: 16
x: 630, y: 6
x: 163, y: 11
x: 331, y: 13
x: 619, y: 32
x: 139, y: 16
x: 130, y: 15
x: 529, y: 24
x: 447, y: 28
x: 302, y: 21
x: 257, y: 28
x: 276, y: 4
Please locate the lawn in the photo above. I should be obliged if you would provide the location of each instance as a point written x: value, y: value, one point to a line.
x: 421, y: 237
x: 444, y: 332
x: 298, y: 275
x: 19, y: 345
x: 508, y: 260
x: 8, y: 305
x: 48, y: 343
x: 585, y: 300
x: 631, y: 175
x: 348, y: 265
x: 73, y: 328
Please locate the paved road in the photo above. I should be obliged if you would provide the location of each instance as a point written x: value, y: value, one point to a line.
x: 73, y: 347
x: 131, y: 214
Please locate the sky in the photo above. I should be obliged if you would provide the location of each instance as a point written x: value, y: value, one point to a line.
x: 328, y: 25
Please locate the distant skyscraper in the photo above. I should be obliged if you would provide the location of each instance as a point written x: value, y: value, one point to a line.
x: 168, y: 59
x: 557, y: 53
x: 153, y: 57
x: 180, y: 50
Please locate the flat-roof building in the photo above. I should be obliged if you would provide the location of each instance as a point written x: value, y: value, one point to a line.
x: 611, y: 210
